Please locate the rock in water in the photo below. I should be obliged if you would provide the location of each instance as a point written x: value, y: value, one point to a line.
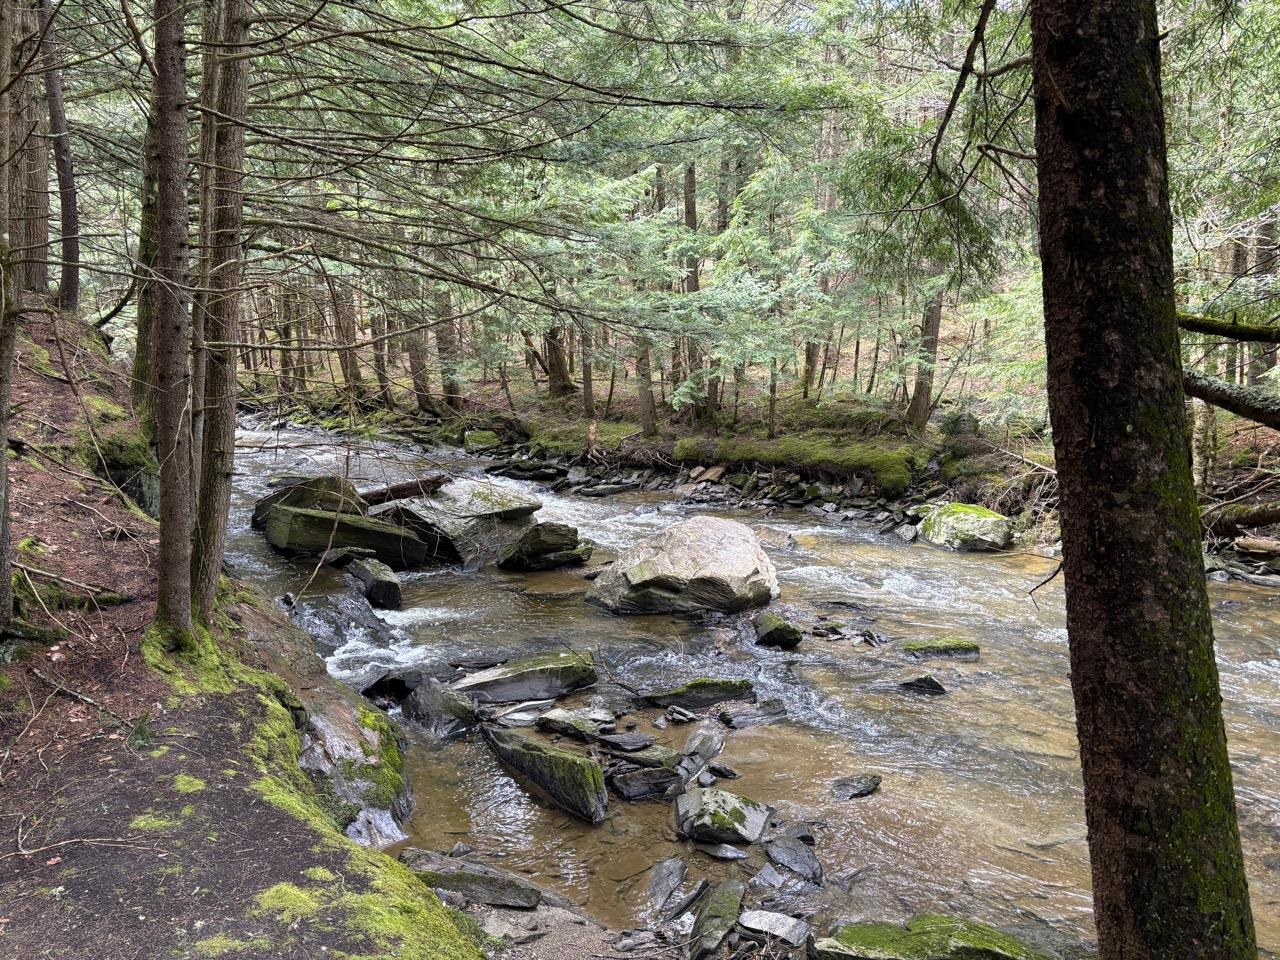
x: 545, y: 546
x: 739, y: 716
x: 665, y: 878
x: 964, y: 526
x: 777, y: 925
x: 717, y: 816
x: 542, y: 677
x: 299, y: 532
x: 466, y: 521
x: 773, y: 631
x: 580, y: 724
x: 572, y: 781
x: 926, y: 684
x: 331, y: 493
x: 946, y: 647
x: 717, y: 913
x: 720, y: 851
x: 924, y: 938
x: 478, y: 882
x: 440, y: 708
x: 704, y: 563
x: 795, y: 855
x: 476, y: 441
x: 380, y: 585
x: 860, y: 785
x: 702, y: 692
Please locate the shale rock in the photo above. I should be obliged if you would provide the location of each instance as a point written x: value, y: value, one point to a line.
x: 440, y: 709
x: 572, y: 781
x: 379, y: 583
x: 717, y: 816
x: 545, y: 676
x: 545, y: 546
x: 964, y: 526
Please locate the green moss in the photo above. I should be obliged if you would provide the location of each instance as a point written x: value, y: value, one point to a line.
x: 890, y: 463
x: 289, y: 903
x: 387, y: 774
x: 152, y: 821
x: 184, y: 783
x: 36, y: 357
x: 320, y: 875
x: 944, y: 646
x: 559, y: 438
x: 221, y: 945
x: 924, y: 938
x: 104, y: 409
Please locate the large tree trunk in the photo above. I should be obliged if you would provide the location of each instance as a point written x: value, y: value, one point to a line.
x: 922, y: 396
x: 222, y: 309
x: 172, y: 326
x: 9, y: 308
x: 142, y: 381
x: 588, y: 381
x: 60, y: 134
x: 447, y: 348
x: 1168, y: 874
x: 559, y: 381
x: 644, y: 386
x: 27, y: 164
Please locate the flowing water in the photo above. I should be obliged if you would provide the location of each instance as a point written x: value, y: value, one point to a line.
x: 980, y: 811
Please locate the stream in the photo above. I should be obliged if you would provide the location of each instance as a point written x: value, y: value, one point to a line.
x: 980, y: 812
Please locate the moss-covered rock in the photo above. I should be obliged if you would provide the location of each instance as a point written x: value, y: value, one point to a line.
x: 774, y: 631
x: 441, y: 709
x: 300, y: 532
x: 572, y: 781
x: 477, y: 441
x: 703, y: 692
x: 478, y: 882
x: 118, y: 451
x: 717, y: 816
x: 966, y: 526
x: 378, y: 582
x: 924, y: 938
x: 545, y: 546
x: 541, y: 677
x: 717, y: 913
x: 330, y: 492
x: 944, y: 647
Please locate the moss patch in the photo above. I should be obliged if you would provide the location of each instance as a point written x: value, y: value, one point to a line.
x: 184, y: 783
x: 944, y: 646
x: 559, y: 438
x: 924, y: 938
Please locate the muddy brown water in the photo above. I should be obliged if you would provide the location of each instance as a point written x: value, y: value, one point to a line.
x: 980, y: 810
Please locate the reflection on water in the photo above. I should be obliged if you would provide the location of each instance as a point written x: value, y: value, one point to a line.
x: 980, y: 810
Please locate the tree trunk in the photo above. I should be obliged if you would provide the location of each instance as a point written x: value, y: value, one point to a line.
x: 222, y: 309
x: 378, y: 331
x: 588, y: 381
x: 449, y: 353
x: 644, y: 386
x: 1168, y: 875
x: 142, y: 381
x: 922, y: 396
x: 559, y: 382
x: 172, y: 326
x: 8, y: 309
x: 28, y: 165
x: 344, y: 322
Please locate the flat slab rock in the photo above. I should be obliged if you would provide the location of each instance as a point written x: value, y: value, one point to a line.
x: 478, y: 882
x: 795, y: 855
x: 541, y: 677
x: 717, y: 816
x: 717, y: 913
x: 703, y: 563
x: 702, y: 692
x: 573, y: 782
x: 924, y: 938
x: 777, y: 925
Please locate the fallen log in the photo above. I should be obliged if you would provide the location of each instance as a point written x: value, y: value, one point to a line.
x: 1233, y: 519
x: 406, y: 489
x: 1248, y: 332
x: 1248, y: 402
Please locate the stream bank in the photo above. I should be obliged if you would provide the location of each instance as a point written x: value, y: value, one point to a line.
x: 978, y: 813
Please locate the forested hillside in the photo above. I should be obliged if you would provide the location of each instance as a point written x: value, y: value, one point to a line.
x: 308, y: 306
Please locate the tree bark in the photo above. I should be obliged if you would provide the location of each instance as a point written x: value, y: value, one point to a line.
x: 222, y: 308
x: 172, y: 326
x: 644, y: 386
x: 559, y: 382
x: 922, y: 396
x: 448, y: 349
x: 1252, y: 403
x: 8, y: 309
x: 588, y: 381
x: 1168, y: 874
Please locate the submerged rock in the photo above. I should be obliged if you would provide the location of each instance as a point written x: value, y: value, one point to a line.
x: 965, y: 526
x: 795, y: 855
x: 299, y: 532
x: 859, y: 785
x: 329, y: 493
x: 545, y: 546
x: 739, y: 716
x: 720, y: 851
x: 717, y: 914
x: 945, y: 647
x: 777, y: 925
x: 665, y: 878
x: 478, y: 882
x: 441, y: 709
x: 704, y: 563
x: 773, y: 631
x: 924, y: 938
x: 718, y: 816
x: 541, y: 677
x: 632, y: 782
x: 702, y: 692
x: 572, y: 781
x: 926, y: 685
x: 379, y: 583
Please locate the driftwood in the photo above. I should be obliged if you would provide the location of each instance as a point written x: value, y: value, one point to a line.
x: 407, y: 489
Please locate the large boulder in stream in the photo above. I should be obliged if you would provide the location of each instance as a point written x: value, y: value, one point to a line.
x: 378, y: 583
x: 331, y: 493
x: 702, y: 692
x: 545, y: 546
x: 924, y: 938
x: 440, y: 709
x: 704, y: 563
x: 300, y: 532
x: 572, y: 781
x: 717, y: 816
x: 466, y: 521
x: 965, y: 526
x: 541, y: 677
x: 478, y: 882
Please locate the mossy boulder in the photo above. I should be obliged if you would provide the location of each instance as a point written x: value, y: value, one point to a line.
x: 331, y: 492
x: 966, y: 526
x: 478, y: 882
x: 545, y: 546
x: 924, y: 938
x: 704, y: 563
x: 119, y: 451
x: 440, y: 709
x: 298, y: 532
x: 541, y: 677
x: 716, y: 915
x: 378, y: 583
x: 944, y: 647
x: 572, y: 781
x: 702, y: 692
x: 586, y: 724
x: 477, y: 441
x: 717, y: 816
x: 472, y: 522
x: 773, y: 630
